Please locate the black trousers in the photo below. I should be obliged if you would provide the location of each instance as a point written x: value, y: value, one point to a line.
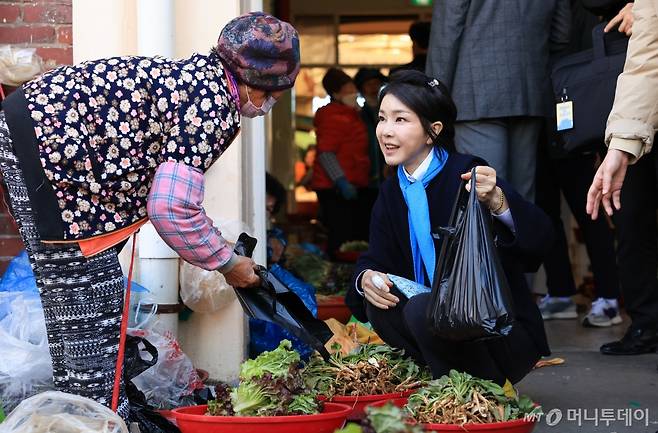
x: 346, y: 220
x: 405, y: 327
x: 572, y: 176
x: 637, y: 249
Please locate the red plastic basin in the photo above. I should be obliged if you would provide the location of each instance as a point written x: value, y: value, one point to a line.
x: 358, y: 403
x: 516, y: 426
x: 168, y: 414
x: 191, y: 419
x: 348, y: 256
x: 333, y: 307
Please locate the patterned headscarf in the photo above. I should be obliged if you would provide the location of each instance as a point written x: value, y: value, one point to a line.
x: 261, y: 50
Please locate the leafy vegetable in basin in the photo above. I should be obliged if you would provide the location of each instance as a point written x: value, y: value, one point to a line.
x: 270, y: 385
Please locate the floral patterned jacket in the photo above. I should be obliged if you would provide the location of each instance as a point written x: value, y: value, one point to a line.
x: 103, y: 128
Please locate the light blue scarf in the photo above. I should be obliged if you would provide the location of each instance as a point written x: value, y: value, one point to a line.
x: 420, y: 232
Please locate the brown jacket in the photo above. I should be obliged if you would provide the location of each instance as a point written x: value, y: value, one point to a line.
x: 633, y: 121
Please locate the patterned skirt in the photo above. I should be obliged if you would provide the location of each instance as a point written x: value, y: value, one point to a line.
x: 82, y: 297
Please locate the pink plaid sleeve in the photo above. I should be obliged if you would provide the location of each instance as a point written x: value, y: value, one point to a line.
x: 174, y: 207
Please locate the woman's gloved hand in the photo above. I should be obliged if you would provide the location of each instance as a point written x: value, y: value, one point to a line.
x: 346, y: 189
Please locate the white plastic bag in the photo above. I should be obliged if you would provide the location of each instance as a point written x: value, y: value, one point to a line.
x: 58, y: 412
x: 19, y: 65
x: 204, y: 291
x: 172, y: 377
x: 207, y: 291
x: 25, y: 363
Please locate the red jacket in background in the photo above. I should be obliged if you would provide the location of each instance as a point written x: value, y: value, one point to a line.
x: 339, y: 129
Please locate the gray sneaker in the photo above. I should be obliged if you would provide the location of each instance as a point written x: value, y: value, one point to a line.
x: 604, y: 313
x: 555, y: 308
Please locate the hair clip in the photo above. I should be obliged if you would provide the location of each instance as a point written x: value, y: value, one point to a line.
x: 433, y: 83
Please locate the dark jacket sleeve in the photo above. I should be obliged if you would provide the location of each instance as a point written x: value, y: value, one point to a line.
x: 560, y: 26
x: 381, y: 253
x: 533, y: 235
x: 448, y: 22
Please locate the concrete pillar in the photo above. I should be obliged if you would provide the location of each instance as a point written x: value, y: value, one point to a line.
x: 104, y: 29
x: 234, y: 191
x: 155, y: 28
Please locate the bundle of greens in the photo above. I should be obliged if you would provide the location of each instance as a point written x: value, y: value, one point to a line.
x: 353, y: 246
x: 270, y: 385
x: 327, y: 277
x: 370, y: 369
x: 460, y: 398
x: 309, y: 267
x: 385, y: 419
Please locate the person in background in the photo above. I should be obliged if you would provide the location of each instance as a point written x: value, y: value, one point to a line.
x: 342, y: 167
x: 419, y: 33
x: 571, y: 173
x: 275, y: 199
x: 416, y: 132
x: 631, y: 162
x: 265, y: 335
x: 369, y: 81
x: 304, y: 168
x: 499, y: 83
x: 90, y: 152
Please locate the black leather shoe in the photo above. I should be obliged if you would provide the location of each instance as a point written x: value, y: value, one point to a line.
x: 636, y: 341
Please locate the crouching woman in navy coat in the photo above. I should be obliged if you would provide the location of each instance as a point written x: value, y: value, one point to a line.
x: 415, y: 133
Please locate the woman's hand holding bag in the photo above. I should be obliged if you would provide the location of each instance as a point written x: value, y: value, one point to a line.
x: 486, y: 189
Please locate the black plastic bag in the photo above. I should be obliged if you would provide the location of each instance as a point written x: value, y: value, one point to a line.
x: 134, y: 364
x: 272, y: 301
x: 470, y: 298
x: 201, y: 396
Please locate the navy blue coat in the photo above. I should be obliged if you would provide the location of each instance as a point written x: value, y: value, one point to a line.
x: 389, y: 249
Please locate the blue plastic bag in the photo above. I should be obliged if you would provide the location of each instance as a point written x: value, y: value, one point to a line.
x: 313, y: 249
x: 19, y: 276
x: 267, y: 335
x: 304, y: 290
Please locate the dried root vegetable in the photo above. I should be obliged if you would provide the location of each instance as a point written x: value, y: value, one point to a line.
x: 460, y: 398
x: 370, y: 369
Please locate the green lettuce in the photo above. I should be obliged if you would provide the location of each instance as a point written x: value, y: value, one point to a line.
x: 270, y: 385
x: 350, y: 428
x: 277, y: 362
x: 250, y: 399
x: 305, y: 404
x: 390, y: 419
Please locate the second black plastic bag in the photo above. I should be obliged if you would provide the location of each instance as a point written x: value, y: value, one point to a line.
x: 470, y: 298
x: 140, y: 356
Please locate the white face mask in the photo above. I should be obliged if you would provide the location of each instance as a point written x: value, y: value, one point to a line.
x: 350, y: 99
x: 248, y: 109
